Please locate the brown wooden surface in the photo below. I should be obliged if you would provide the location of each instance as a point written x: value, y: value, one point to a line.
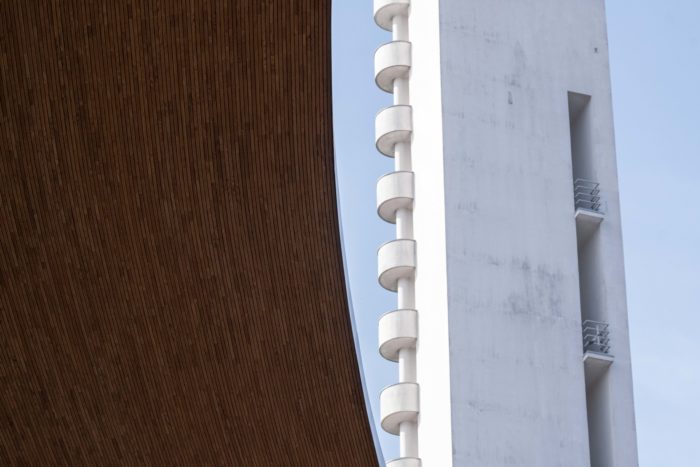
x: 171, y: 282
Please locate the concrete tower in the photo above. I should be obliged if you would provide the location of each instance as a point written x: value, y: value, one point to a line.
x: 511, y: 326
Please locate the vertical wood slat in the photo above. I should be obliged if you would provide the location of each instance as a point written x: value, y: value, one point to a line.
x: 171, y: 282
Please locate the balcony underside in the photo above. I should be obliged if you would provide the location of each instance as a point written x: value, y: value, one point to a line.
x: 595, y: 365
x: 587, y: 222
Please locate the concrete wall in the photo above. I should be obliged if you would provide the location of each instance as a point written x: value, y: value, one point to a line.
x: 516, y: 379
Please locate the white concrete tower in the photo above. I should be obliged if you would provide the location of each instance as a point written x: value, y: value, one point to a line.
x: 511, y: 330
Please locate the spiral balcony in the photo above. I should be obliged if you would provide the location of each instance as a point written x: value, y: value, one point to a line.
x: 396, y: 260
x: 391, y: 61
x: 393, y: 125
x: 404, y: 462
x: 399, y: 403
x: 385, y: 10
x: 394, y: 191
x: 398, y: 330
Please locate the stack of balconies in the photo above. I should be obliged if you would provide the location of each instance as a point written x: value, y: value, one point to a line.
x: 398, y: 330
x: 589, y: 215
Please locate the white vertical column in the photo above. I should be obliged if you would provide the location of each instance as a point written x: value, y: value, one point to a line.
x: 393, y: 75
x: 399, y: 27
x: 408, y: 444
x: 402, y: 156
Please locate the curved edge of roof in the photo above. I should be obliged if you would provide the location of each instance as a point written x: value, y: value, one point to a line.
x: 351, y: 311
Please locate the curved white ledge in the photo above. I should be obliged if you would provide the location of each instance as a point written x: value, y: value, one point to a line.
x: 385, y: 10
x: 393, y: 125
x: 396, y: 260
x: 399, y: 403
x: 398, y: 330
x: 404, y: 462
x: 395, y: 191
x: 391, y: 61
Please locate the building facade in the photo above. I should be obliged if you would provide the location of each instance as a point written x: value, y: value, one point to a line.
x: 511, y: 327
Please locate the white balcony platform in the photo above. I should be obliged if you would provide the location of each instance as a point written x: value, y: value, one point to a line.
x: 587, y: 222
x: 595, y: 365
x: 385, y: 10
x: 395, y: 191
x: 404, y: 462
x: 393, y: 125
x: 399, y: 403
x: 396, y: 260
x: 391, y: 61
x: 398, y: 330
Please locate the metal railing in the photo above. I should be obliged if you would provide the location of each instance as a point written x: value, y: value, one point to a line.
x: 596, y: 337
x: 587, y: 195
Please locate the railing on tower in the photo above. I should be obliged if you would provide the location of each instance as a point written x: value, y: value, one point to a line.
x: 587, y: 195
x: 596, y: 337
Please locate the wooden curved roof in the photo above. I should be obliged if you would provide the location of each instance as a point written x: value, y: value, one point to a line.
x: 171, y: 285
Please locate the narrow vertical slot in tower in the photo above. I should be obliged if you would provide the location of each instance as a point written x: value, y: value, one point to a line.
x: 590, y: 215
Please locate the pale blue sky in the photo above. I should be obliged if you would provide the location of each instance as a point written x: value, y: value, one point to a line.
x: 655, y: 62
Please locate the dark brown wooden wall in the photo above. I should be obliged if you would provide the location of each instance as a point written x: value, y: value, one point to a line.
x: 171, y: 281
